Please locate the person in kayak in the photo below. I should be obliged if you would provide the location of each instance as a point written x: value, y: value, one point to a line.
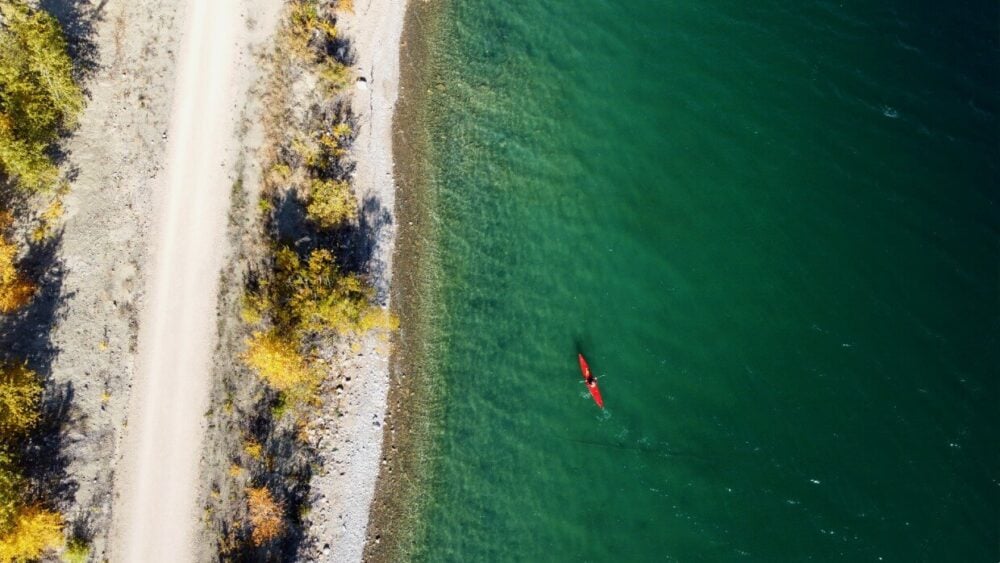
x: 591, y: 381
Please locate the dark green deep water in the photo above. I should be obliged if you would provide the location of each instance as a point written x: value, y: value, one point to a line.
x: 772, y: 228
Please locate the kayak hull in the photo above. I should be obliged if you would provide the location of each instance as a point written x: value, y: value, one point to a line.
x: 595, y: 392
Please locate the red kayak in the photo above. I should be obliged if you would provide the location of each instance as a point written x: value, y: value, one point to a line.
x: 591, y: 381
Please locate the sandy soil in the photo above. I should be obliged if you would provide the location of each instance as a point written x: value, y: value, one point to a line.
x: 155, y: 513
x: 115, y: 161
x: 349, y: 434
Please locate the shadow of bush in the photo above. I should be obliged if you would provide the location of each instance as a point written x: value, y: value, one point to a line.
x: 79, y: 19
x: 26, y: 336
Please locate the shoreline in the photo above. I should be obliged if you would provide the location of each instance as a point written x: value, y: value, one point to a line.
x: 394, y: 526
x: 351, y: 430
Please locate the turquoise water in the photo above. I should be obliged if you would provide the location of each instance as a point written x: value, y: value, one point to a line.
x: 772, y: 229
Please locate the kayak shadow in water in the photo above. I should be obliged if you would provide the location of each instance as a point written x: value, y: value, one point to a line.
x: 646, y: 449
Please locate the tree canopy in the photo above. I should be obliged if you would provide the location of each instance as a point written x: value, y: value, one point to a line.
x: 38, y: 96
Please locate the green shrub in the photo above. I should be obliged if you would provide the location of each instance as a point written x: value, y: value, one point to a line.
x: 20, y: 391
x: 330, y: 203
x: 78, y: 551
x: 11, y: 485
x: 333, y: 76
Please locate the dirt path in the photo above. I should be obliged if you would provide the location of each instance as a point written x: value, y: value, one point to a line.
x: 155, y: 516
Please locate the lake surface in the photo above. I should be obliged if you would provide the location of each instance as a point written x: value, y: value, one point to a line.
x: 772, y: 229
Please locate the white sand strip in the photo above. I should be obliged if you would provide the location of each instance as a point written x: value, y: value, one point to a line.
x: 351, y: 447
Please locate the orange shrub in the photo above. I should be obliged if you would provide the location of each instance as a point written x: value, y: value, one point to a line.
x: 15, y: 289
x: 267, y: 518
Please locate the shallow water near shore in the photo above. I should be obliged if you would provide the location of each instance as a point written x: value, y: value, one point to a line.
x: 771, y: 229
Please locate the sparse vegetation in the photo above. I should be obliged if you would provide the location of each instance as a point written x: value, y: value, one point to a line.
x: 303, y: 296
x: 39, y: 102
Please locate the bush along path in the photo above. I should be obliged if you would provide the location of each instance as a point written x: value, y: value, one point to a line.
x: 39, y: 102
x: 302, y: 296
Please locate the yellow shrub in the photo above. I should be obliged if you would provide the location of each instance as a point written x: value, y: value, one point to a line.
x: 53, y: 212
x: 377, y: 319
x: 312, y: 296
x: 278, y: 362
x: 19, y: 394
x: 342, y: 130
x: 252, y: 309
x: 279, y: 174
x: 306, y: 19
x: 326, y: 299
x: 253, y: 449
x: 307, y: 150
x: 35, y: 531
x: 332, y: 144
x: 267, y: 519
